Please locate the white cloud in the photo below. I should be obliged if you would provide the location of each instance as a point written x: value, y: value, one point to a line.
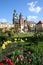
x: 3, y: 20
x: 38, y: 9
x: 33, y: 7
x: 32, y: 4
x: 32, y: 17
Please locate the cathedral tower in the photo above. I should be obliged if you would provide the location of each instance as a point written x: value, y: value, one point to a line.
x: 21, y: 22
x: 15, y: 17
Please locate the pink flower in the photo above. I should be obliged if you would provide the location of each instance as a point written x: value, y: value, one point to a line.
x: 29, y: 52
x: 29, y: 60
x: 21, y: 58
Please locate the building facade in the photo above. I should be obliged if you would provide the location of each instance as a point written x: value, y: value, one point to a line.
x: 39, y: 26
x: 6, y: 25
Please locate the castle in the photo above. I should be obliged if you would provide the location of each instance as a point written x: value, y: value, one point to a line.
x: 23, y: 24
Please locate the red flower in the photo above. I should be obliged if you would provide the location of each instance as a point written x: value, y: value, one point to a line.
x: 9, y: 61
x: 1, y: 63
x: 29, y: 52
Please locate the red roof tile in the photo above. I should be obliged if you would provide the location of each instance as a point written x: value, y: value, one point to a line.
x: 40, y: 22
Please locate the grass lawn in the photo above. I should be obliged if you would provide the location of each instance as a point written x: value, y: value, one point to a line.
x: 24, y: 35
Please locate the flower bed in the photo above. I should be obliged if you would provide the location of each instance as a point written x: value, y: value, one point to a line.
x: 21, y: 51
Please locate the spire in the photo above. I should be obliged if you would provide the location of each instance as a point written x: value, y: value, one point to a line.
x: 26, y: 18
x: 15, y: 14
x: 15, y: 17
x: 20, y: 16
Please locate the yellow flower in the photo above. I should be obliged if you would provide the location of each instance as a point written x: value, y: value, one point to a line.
x: 22, y: 40
x: 5, y: 43
x: 3, y: 46
x: 8, y: 41
x: 15, y: 39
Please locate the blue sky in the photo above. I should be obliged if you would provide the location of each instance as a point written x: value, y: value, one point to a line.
x: 32, y: 9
